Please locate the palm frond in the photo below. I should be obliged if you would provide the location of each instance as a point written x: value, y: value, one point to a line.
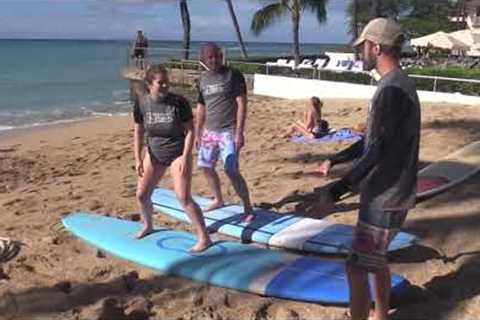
x: 267, y: 16
x: 318, y: 7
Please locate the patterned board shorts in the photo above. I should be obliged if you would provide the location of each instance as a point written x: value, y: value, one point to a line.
x: 373, y: 234
x: 215, y: 144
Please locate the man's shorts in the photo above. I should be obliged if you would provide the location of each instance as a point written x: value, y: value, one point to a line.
x: 373, y: 234
x: 215, y: 144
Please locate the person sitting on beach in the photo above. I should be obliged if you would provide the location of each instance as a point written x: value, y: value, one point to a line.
x: 220, y: 123
x: 166, y: 120
x: 140, y: 50
x: 314, y: 126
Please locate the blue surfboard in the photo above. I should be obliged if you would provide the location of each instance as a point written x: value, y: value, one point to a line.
x: 273, y: 229
x: 225, y: 264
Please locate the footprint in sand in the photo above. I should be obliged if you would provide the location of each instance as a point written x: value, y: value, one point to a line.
x: 100, y: 272
x: 12, y: 202
x: 128, y: 191
x: 94, y: 205
x: 8, y: 150
x: 75, y: 173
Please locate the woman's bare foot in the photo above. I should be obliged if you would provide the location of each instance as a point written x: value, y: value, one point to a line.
x: 144, y: 232
x: 248, y: 218
x: 248, y: 215
x: 214, y: 205
x: 200, y: 246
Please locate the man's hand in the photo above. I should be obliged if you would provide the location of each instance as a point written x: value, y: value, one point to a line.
x: 239, y: 142
x: 319, y: 204
x: 325, y: 167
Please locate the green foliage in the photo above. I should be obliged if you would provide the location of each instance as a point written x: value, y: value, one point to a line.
x: 417, y: 27
x: 280, y: 9
x: 449, y: 72
x: 359, y: 78
x: 447, y: 85
x: 417, y: 17
x: 428, y: 16
x: 247, y: 68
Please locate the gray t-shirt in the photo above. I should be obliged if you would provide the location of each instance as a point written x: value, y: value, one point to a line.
x: 218, y: 92
x: 386, y: 169
x: 163, y: 121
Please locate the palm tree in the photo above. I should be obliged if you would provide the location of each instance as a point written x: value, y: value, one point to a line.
x: 237, y: 28
x: 376, y: 9
x: 355, y: 25
x: 461, y: 8
x: 271, y: 13
x: 185, y: 15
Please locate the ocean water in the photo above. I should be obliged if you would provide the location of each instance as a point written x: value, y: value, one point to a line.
x: 45, y: 81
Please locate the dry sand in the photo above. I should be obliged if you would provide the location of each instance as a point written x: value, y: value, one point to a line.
x: 47, y: 173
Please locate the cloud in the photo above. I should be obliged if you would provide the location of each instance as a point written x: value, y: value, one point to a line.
x: 160, y: 18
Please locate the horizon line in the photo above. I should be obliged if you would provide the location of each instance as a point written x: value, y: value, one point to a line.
x: 169, y: 40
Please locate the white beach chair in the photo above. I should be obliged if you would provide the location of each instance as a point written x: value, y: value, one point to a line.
x: 339, y: 65
x: 357, y: 66
x: 320, y: 63
x: 306, y: 64
x: 286, y: 63
x: 272, y: 63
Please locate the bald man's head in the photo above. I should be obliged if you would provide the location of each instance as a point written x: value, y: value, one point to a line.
x: 211, y: 56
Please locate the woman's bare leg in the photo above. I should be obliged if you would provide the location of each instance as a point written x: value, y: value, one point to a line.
x: 298, y: 126
x: 301, y: 128
x: 182, y: 186
x: 151, y: 176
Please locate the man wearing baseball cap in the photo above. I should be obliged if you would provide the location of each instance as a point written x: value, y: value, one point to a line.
x: 385, y: 171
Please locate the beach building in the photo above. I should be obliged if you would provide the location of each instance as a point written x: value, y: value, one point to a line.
x: 470, y: 16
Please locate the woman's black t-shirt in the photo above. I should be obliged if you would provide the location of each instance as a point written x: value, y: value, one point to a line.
x: 163, y: 120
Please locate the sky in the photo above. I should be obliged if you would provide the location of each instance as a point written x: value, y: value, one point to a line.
x: 159, y: 19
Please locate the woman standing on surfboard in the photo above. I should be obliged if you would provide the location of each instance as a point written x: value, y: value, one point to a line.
x: 166, y: 120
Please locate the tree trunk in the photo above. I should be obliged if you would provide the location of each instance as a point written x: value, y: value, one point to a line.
x: 355, y: 19
x: 375, y: 9
x: 237, y: 28
x: 186, y: 28
x: 461, y: 14
x: 355, y: 26
x: 295, y: 31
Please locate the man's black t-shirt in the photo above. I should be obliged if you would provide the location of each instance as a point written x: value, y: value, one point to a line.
x: 386, y: 169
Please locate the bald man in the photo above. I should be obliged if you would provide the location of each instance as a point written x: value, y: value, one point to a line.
x: 220, y: 123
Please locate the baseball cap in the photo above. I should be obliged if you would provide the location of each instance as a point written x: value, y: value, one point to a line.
x: 381, y: 31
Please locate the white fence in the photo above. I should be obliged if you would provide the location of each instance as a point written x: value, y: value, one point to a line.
x: 297, y: 88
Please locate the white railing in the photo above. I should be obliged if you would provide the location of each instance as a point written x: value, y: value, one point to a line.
x: 301, y: 72
x: 436, y: 78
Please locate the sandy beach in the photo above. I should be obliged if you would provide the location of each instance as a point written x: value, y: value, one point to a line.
x: 88, y: 165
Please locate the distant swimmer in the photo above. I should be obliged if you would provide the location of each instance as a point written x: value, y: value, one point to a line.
x: 220, y: 124
x: 166, y: 120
